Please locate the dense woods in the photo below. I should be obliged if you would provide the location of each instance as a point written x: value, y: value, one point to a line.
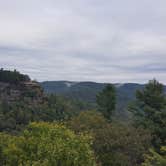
x: 12, y: 77
x: 52, y: 130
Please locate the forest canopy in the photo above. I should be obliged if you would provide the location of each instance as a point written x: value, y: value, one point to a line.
x: 53, y: 130
x: 12, y: 76
x: 46, y: 144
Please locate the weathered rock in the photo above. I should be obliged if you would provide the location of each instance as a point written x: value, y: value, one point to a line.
x: 29, y: 92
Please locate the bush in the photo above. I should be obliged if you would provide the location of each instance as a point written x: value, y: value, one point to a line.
x: 114, y: 144
x: 44, y: 144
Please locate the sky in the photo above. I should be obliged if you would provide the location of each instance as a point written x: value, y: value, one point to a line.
x: 84, y: 40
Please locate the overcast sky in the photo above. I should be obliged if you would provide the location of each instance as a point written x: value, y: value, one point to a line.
x: 84, y: 40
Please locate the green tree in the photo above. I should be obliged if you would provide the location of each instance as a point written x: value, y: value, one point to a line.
x: 106, y: 101
x: 87, y: 121
x: 155, y: 159
x: 114, y: 144
x: 150, y: 110
x: 13, y: 77
x: 48, y: 144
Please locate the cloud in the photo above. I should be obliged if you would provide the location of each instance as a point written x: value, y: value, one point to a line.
x: 103, y: 41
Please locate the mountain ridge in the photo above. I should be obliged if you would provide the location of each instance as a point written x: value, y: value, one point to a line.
x: 87, y: 91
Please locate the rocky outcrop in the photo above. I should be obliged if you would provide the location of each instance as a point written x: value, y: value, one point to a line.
x: 29, y: 92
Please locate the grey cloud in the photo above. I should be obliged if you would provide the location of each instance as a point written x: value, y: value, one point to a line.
x: 104, y: 41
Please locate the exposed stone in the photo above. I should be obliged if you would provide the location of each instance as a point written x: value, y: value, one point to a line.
x: 30, y: 92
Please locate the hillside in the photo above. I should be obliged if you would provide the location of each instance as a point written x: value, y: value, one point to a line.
x: 20, y: 100
x: 30, y: 119
x: 15, y: 87
x: 23, y: 100
x: 87, y: 91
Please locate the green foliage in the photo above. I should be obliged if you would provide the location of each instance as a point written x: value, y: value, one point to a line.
x: 114, y: 144
x: 87, y: 121
x: 121, y: 145
x: 63, y: 108
x: 155, y: 159
x: 86, y: 92
x: 46, y: 144
x: 4, y: 140
x: 106, y: 101
x: 15, y: 116
x: 12, y: 76
x: 150, y: 111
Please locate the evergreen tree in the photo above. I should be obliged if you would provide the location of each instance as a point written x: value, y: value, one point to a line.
x: 150, y: 110
x: 106, y: 101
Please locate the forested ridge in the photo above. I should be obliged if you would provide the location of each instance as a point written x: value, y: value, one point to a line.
x: 87, y: 91
x: 48, y: 129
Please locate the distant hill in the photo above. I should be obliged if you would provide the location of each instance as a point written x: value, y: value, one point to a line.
x: 87, y: 91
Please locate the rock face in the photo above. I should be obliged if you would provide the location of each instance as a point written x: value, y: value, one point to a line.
x: 29, y: 92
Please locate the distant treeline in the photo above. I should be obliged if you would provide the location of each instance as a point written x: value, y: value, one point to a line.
x: 12, y: 76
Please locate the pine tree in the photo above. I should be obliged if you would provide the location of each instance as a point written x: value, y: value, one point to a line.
x: 106, y: 101
x: 150, y: 110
